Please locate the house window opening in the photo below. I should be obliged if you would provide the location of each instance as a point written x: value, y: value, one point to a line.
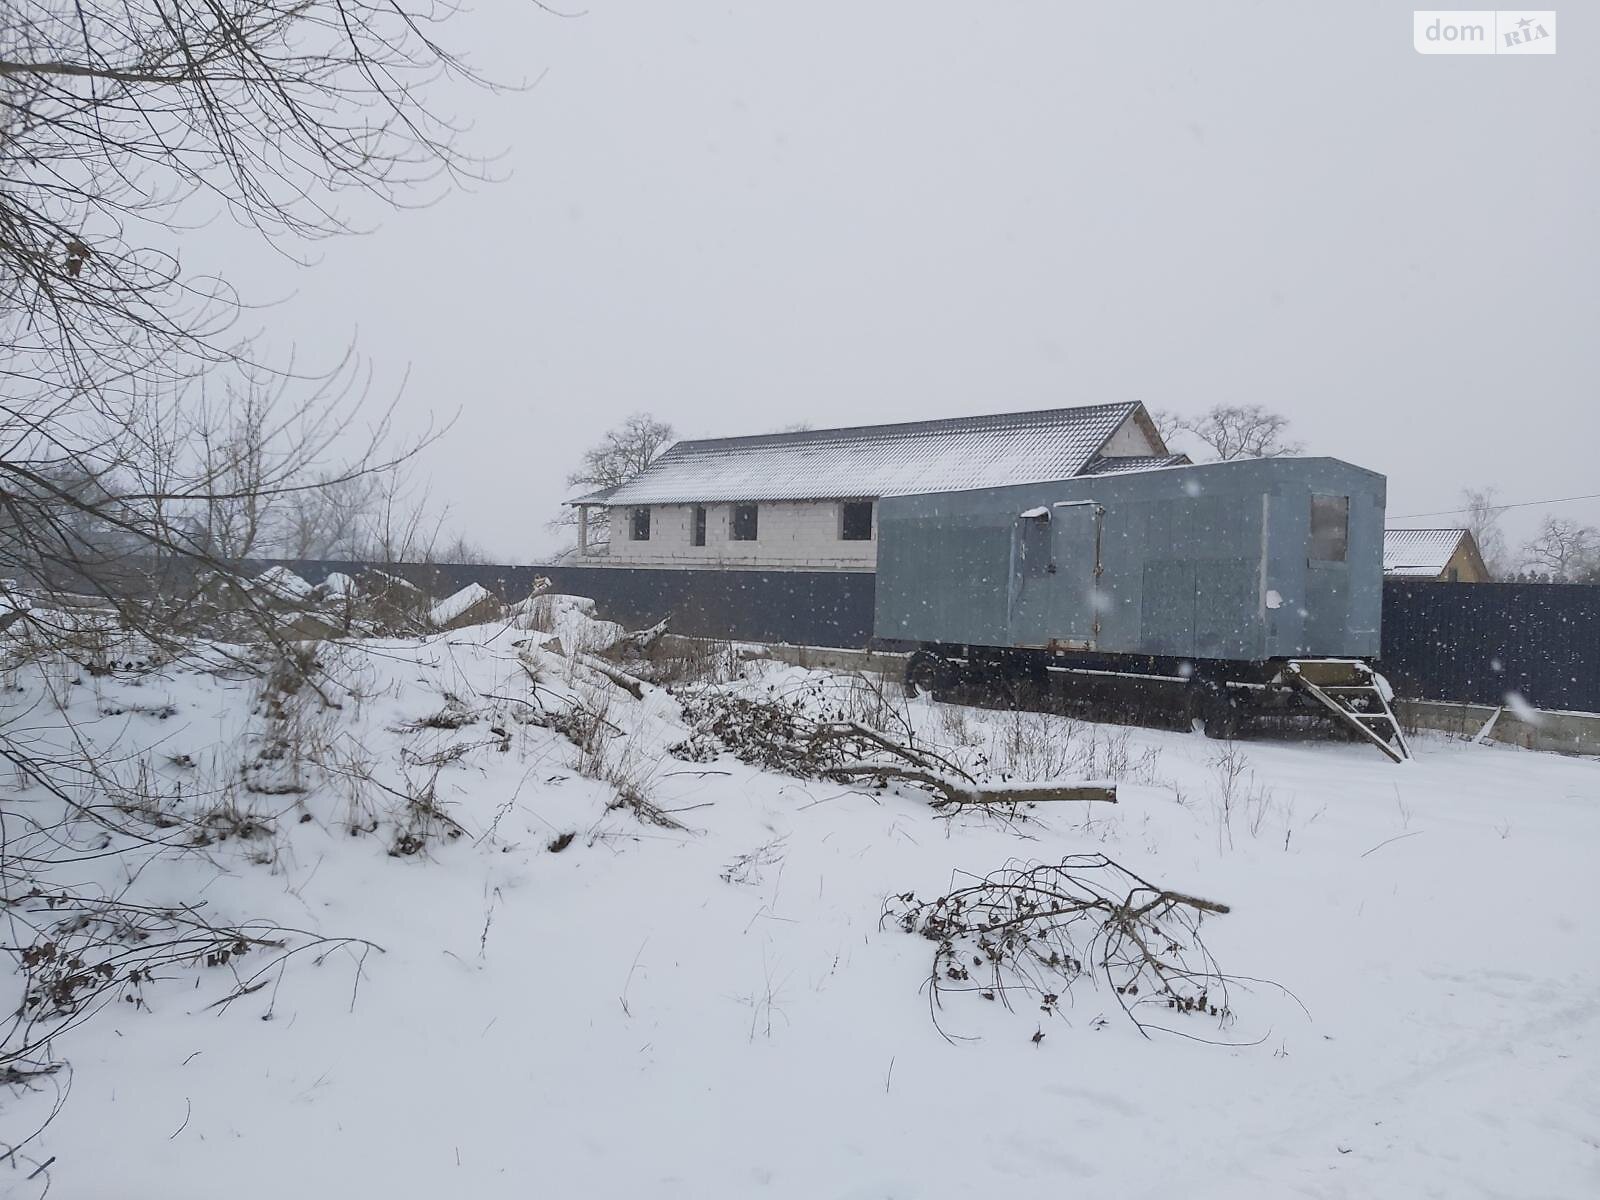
x: 697, y: 532
x: 640, y: 531
x: 855, y: 521
x: 743, y: 526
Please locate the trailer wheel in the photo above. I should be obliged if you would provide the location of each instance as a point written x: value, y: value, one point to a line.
x: 925, y: 672
x: 1214, y: 706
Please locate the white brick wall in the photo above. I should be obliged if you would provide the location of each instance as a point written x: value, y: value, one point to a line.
x: 790, y: 533
x: 1129, y: 441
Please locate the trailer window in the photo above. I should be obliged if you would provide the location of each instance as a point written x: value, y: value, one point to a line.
x: 1330, y: 528
x: 641, y: 525
x: 1035, y: 547
x: 855, y: 521
x: 743, y: 526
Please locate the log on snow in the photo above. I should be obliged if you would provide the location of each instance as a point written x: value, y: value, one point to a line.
x: 962, y: 792
x: 612, y: 672
x: 536, y: 659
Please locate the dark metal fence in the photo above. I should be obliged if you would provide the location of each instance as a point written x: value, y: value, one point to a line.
x: 1477, y: 642
x: 804, y: 608
x: 1472, y: 642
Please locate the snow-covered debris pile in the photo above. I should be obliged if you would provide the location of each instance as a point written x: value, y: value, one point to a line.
x: 472, y: 605
x: 13, y: 604
x: 284, y: 586
x: 338, y: 585
x: 569, y: 622
x: 384, y: 602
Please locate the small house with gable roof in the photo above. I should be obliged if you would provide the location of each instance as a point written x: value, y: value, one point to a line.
x: 807, y: 500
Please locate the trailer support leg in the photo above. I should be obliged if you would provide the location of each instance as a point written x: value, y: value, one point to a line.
x: 1356, y: 695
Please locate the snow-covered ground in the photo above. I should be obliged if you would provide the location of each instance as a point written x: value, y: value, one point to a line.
x: 716, y: 1012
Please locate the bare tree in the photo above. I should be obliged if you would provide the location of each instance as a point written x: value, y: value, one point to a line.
x: 1231, y: 431
x: 1565, y: 550
x: 1168, y: 424
x: 459, y: 549
x: 123, y: 457
x: 233, y: 521
x: 124, y: 122
x: 1482, y: 516
x: 623, y: 453
x: 328, y: 521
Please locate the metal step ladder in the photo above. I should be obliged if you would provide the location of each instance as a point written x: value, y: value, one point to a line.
x: 1355, y: 694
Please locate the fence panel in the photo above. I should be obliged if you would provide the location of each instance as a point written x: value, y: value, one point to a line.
x: 1477, y: 642
x: 805, y: 608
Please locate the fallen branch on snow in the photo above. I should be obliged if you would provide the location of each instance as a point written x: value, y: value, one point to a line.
x: 781, y: 735
x: 954, y: 791
x: 1037, y: 929
x: 638, y: 643
x: 615, y: 674
x: 540, y: 663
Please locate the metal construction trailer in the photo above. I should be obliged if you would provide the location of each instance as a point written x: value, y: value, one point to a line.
x: 1221, y: 578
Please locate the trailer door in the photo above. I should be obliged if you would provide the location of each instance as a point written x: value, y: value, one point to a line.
x: 1055, y: 577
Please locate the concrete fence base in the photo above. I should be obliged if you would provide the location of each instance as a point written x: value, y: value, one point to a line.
x: 1563, y: 732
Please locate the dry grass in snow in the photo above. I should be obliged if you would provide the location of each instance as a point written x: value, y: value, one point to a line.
x: 606, y: 970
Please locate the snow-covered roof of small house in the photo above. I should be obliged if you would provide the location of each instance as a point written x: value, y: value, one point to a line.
x: 1419, y: 553
x: 1136, y: 462
x: 885, y: 460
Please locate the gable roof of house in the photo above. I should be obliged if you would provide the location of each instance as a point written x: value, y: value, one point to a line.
x: 883, y: 460
x: 1420, y: 553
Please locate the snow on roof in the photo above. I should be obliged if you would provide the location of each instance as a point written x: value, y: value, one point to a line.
x: 1419, y: 552
x: 1136, y: 462
x: 454, y: 605
x: 880, y: 460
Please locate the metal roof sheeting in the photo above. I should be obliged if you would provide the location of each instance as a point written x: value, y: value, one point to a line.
x: 1137, y: 462
x: 1419, y: 553
x: 880, y: 460
x: 599, y: 496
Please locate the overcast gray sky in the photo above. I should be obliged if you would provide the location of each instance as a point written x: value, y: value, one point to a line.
x: 739, y: 216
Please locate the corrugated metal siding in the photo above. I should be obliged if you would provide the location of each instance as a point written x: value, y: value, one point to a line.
x: 879, y: 460
x: 1189, y: 557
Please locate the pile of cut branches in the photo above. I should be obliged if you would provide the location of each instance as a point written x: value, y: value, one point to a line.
x: 78, y: 952
x: 1037, y: 929
x: 779, y: 733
